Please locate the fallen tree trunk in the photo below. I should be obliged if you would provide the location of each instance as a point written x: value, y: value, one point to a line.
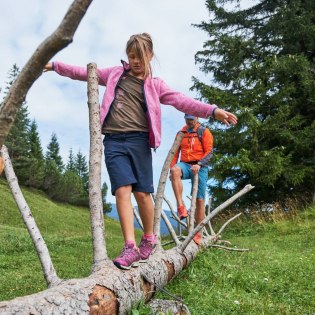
x: 107, y: 291
x: 110, y: 290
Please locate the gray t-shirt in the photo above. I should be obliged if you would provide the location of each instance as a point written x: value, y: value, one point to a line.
x: 127, y: 113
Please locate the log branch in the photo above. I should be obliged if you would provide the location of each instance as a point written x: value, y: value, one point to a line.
x: 170, y: 227
x: 95, y: 162
x: 137, y: 216
x: 193, y: 203
x: 58, y: 40
x: 227, y: 222
x: 42, y: 251
x: 229, y: 248
x: 161, y: 187
x: 225, y: 204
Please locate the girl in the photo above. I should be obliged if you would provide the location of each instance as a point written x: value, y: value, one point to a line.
x: 131, y: 123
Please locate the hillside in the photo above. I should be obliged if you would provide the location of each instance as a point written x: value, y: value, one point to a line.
x: 274, y: 277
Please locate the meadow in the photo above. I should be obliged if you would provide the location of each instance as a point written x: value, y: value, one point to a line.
x: 276, y: 275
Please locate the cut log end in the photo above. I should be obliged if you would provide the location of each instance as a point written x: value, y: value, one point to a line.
x: 1, y: 165
x: 103, y: 301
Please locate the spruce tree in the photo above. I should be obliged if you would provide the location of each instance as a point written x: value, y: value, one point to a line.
x: 82, y: 169
x: 107, y: 207
x: 262, y: 60
x: 70, y: 163
x: 37, y: 162
x: 52, y: 153
x: 17, y: 140
x: 53, y: 169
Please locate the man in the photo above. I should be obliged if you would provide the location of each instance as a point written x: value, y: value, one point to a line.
x: 195, y: 152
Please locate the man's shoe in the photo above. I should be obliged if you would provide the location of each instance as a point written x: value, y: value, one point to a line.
x: 197, y: 238
x: 129, y: 257
x: 146, y: 248
x: 182, y: 212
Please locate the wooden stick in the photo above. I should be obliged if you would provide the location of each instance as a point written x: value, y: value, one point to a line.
x: 42, y: 251
x: 161, y: 187
x: 193, y: 204
x: 137, y: 216
x: 229, y: 248
x: 170, y: 227
x: 95, y: 161
x: 246, y: 189
x: 227, y: 222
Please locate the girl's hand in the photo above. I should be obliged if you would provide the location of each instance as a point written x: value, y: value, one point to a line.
x: 48, y: 67
x: 225, y: 117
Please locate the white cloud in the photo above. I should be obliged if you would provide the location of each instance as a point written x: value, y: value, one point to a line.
x: 58, y: 104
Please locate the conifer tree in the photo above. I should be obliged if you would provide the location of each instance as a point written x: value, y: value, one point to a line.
x: 17, y: 140
x: 53, y: 168
x: 82, y: 169
x: 262, y: 60
x: 37, y: 162
x: 107, y: 207
x: 52, y: 153
x: 70, y: 163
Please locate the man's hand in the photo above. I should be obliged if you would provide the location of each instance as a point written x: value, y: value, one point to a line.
x: 195, y: 168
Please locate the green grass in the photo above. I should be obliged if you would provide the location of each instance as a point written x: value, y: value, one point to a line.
x: 274, y: 277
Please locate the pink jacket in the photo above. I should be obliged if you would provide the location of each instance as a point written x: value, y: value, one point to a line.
x: 155, y: 93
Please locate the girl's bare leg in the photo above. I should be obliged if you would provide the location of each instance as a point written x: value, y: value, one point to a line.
x: 146, y: 210
x: 125, y: 212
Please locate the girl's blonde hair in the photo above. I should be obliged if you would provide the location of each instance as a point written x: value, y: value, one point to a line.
x: 142, y: 46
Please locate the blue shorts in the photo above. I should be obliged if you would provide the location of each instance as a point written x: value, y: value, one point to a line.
x: 202, y: 178
x: 128, y: 161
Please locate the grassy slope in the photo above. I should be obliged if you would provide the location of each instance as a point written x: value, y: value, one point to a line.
x: 275, y: 277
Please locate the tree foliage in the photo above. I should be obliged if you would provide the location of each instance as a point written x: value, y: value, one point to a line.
x: 262, y: 62
x: 17, y: 140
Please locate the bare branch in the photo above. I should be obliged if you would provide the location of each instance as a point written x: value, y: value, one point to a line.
x: 161, y: 186
x: 227, y: 222
x: 175, y: 216
x: 246, y: 189
x: 137, y: 216
x: 38, y: 241
x: 95, y: 194
x: 229, y: 248
x: 61, y: 38
x: 170, y: 227
x: 193, y: 203
x: 209, y: 223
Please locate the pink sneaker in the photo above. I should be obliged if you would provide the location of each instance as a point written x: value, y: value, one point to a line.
x: 129, y: 257
x: 146, y: 248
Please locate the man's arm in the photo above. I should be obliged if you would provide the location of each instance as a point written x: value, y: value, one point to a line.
x: 207, y: 143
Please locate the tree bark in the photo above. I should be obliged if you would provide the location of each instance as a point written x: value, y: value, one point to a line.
x: 48, y: 268
x: 161, y: 187
x: 95, y: 160
x: 61, y: 38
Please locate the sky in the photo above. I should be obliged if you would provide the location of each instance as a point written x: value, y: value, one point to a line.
x: 59, y: 104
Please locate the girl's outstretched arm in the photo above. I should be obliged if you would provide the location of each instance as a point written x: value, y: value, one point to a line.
x: 224, y: 116
x: 48, y: 67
